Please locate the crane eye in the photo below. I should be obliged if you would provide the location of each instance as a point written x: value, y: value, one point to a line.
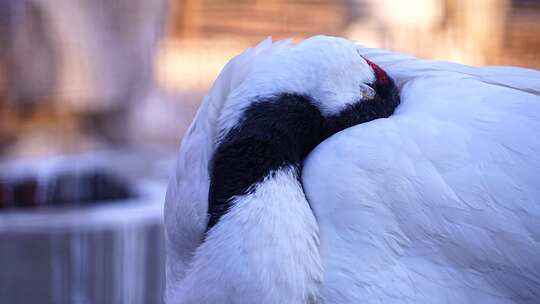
x: 368, y: 91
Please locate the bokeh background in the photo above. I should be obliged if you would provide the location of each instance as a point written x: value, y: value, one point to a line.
x: 96, y: 94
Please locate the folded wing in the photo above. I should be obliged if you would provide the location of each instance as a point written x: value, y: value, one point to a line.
x: 440, y: 202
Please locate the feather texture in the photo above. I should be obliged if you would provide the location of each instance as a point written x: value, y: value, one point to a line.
x: 186, y: 202
x: 440, y: 202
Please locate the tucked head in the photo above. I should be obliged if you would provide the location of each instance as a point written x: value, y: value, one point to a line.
x: 290, y: 102
x: 349, y: 89
x: 328, y: 70
x: 336, y: 74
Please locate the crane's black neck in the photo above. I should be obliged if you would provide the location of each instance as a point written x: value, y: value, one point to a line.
x: 273, y: 133
x: 277, y: 132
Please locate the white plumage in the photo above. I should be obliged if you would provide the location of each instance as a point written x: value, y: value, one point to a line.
x: 438, y: 203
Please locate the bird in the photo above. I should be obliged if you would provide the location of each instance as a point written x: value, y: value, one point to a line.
x: 329, y: 172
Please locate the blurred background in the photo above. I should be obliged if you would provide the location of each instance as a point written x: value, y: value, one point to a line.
x: 96, y: 94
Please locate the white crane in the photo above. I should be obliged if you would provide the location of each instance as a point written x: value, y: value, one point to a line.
x: 437, y: 203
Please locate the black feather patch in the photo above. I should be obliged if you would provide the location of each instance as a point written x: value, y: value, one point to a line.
x: 273, y: 133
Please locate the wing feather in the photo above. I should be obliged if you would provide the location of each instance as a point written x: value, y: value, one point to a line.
x: 440, y: 202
